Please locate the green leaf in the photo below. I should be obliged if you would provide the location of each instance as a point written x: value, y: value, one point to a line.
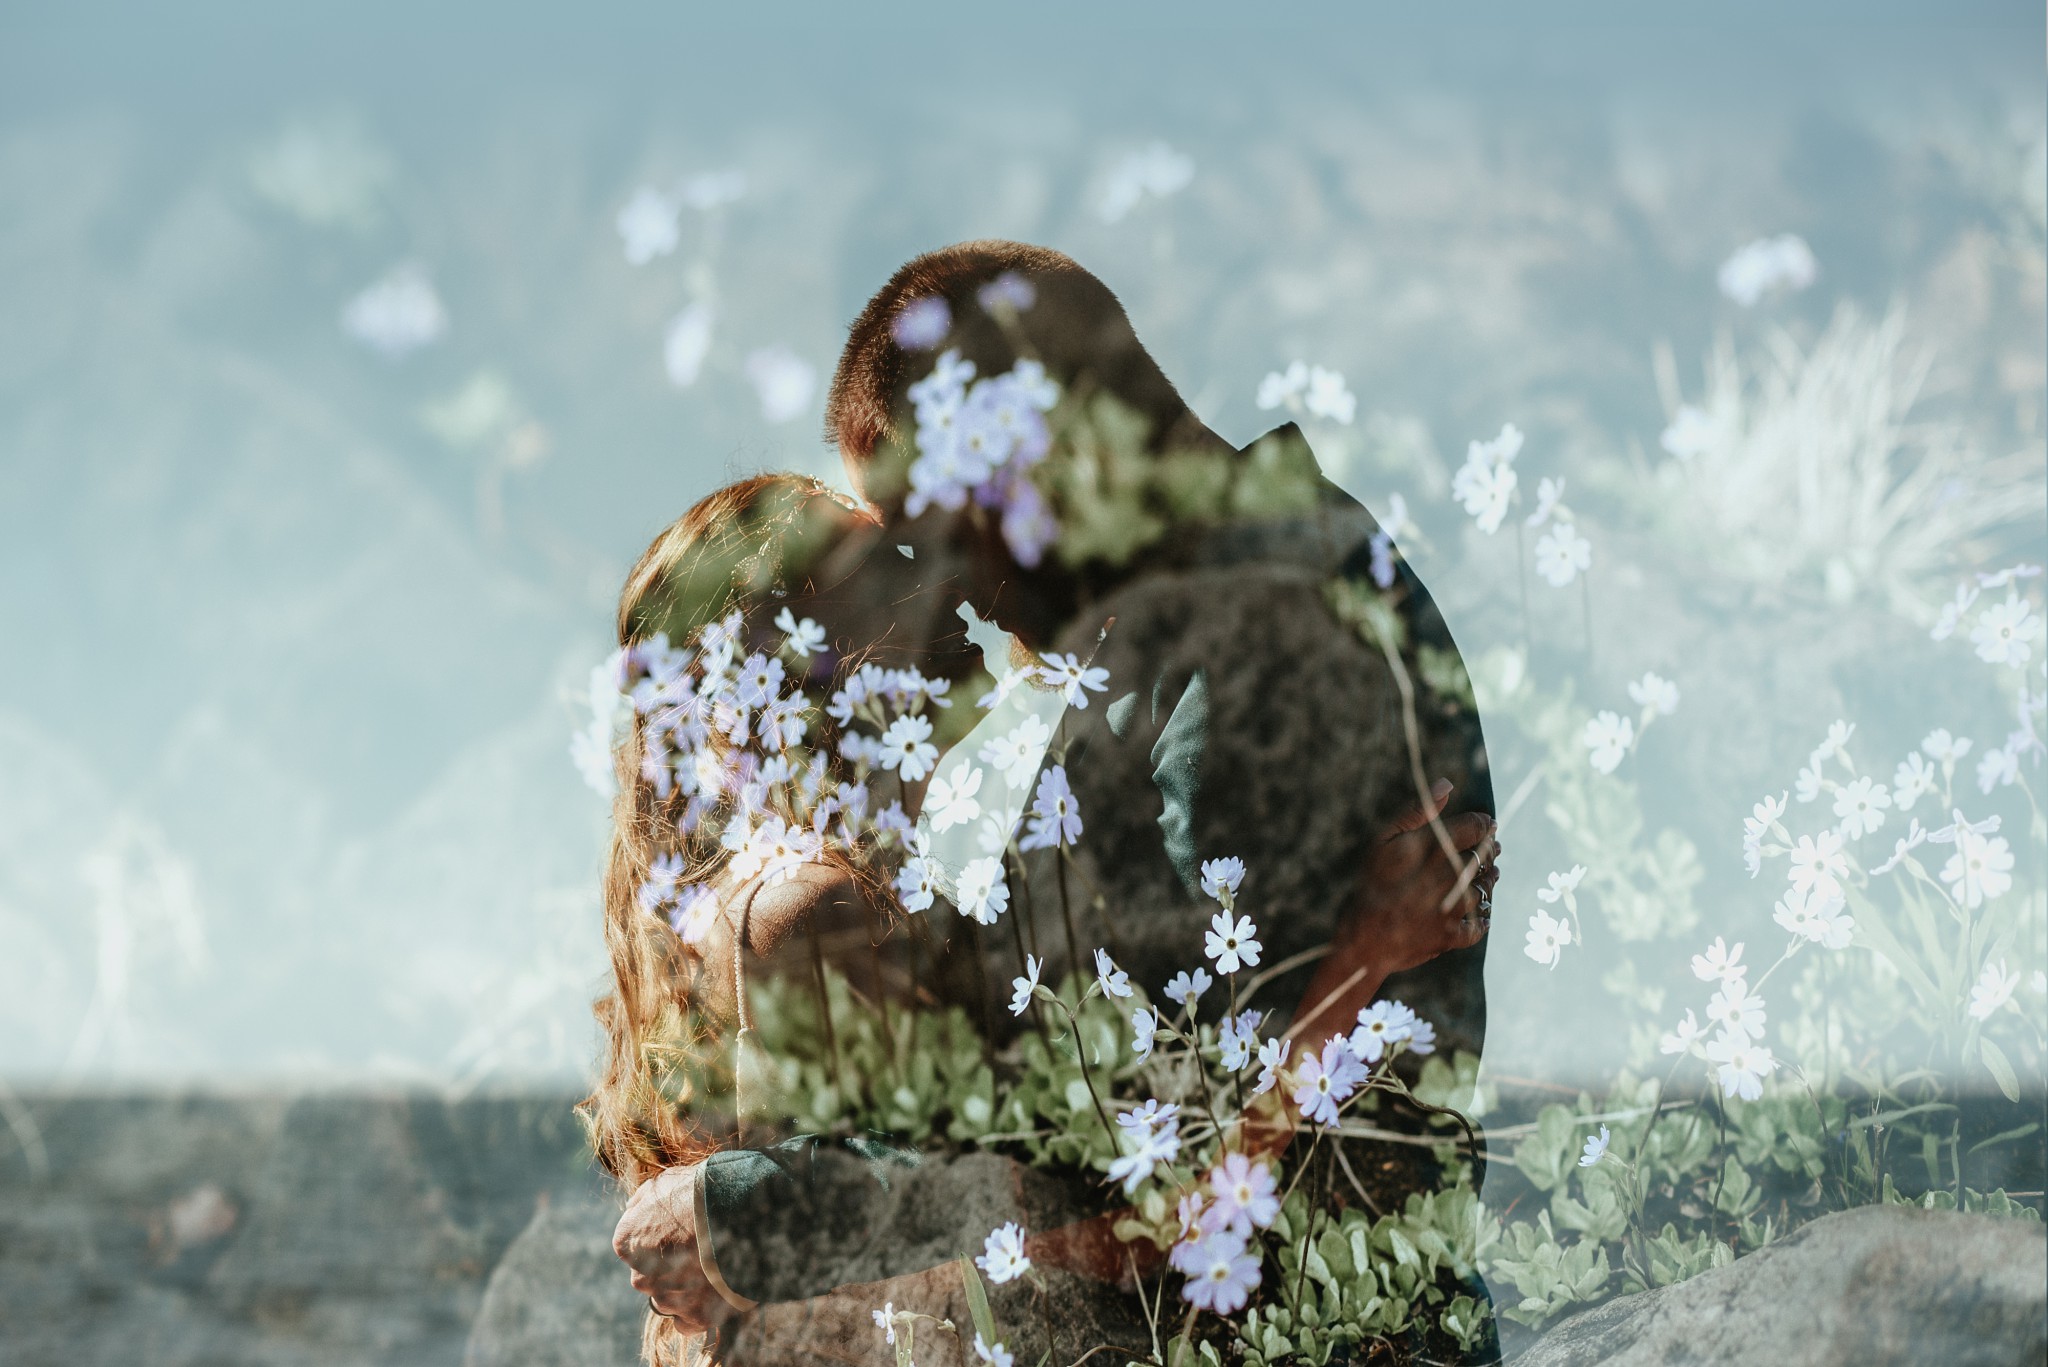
x: 2001, y: 1069
x: 977, y: 1300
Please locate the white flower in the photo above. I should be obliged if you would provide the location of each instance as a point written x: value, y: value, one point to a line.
x: 1690, y: 433
x: 1818, y: 863
x: 1596, y: 1148
x: 1682, y: 1039
x: 1149, y: 1116
x: 1327, y: 396
x: 1915, y: 836
x: 1979, y: 869
x: 1719, y: 963
x: 1861, y: 805
x: 995, y: 1354
x: 1381, y: 1026
x: 1547, y: 938
x: 1945, y: 749
x: 1838, y: 735
x: 1951, y: 615
x: 1609, y: 737
x: 1230, y: 942
x: 1766, y: 265
x: 1155, y: 170
x: 1563, y: 886
x: 1066, y: 673
x: 1737, y: 1010
x: 1144, y: 1025
x: 1237, y: 1038
x: 2004, y: 631
x: 1549, y: 492
x: 982, y: 893
x: 1996, y: 767
x: 1485, y: 483
x: 1656, y: 692
x: 1756, y: 826
x: 1024, y: 988
x: 885, y: 1320
x: 1222, y: 877
x: 1272, y: 1058
x: 951, y: 799
x: 1561, y: 553
x: 805, y: 638
x: 907, y: 748
x: 398, y: 314
x: 687, y: 342
x: 1187, y: 989
x: 1741, y: 1065
x: 1283, y: 387
x: 1833, y: 926
x: 1913, y: 780
x: 1002, y: 1256
x: 1812, y: 916
x: 647, y: 225
x: 783, y: 381
x: 1113, y: 980
x: 1148, y: 1146
x: 1016, y: 754
x: 1807, y: 786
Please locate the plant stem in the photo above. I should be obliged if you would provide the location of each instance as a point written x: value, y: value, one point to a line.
x: 1081, y: 1056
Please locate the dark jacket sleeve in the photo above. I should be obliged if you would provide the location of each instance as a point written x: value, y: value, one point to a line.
x: 779, y: 1222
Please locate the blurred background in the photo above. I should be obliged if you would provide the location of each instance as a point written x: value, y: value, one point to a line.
x: 351, y: 353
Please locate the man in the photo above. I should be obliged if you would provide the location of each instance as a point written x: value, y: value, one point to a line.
x: 1265, y: 697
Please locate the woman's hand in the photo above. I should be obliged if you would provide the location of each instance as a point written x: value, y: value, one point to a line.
x: 657, y: 1238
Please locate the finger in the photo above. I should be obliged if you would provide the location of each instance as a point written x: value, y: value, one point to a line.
x: 1469, y: 829
x: 1416, y: 817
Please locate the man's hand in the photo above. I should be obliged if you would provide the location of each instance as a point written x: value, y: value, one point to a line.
x: 657, y: 1238
x: 1406, y: 913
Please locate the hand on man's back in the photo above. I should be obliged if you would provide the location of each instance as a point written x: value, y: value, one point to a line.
x: 1401, y: 910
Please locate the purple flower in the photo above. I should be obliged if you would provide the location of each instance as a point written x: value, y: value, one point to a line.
x: 922, y: 324
x: 1322, y: 1084
x: 1223, y: 1274
x: 1055, y: 813
x: 1028, y: 525
x: 1382, y: 548
x: 1009, y: 290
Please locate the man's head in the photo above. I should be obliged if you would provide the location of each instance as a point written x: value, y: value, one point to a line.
x: 1072, y: 324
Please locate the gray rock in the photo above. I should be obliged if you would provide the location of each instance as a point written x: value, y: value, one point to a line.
x: 1865, y: 1288
x: 558, y: 1297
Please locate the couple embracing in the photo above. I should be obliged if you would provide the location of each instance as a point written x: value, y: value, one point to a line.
x: 1082, y: 757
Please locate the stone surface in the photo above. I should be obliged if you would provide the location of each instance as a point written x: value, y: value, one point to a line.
x: 1885, y: 1286
x: 252, y: 1231
x: 558, y: 1297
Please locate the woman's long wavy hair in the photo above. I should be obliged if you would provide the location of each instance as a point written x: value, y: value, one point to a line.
x: 733, y: 550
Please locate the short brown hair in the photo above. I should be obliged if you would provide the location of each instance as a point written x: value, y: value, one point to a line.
x: 1075, y: 327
